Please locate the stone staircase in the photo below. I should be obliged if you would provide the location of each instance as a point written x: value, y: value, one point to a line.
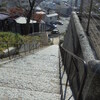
x: 34, y: 77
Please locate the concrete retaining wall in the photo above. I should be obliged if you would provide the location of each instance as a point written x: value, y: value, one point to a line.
x: 77, y: 42
x: 12, y: 50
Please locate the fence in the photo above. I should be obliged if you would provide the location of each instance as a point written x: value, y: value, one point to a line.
x: 23, y: 47
x: 89, y: 14
x: 72, y: 65
x: 90, y: 19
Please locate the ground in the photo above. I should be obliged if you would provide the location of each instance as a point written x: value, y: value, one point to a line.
x: 65, y: 21
x: 61, y: 28
x: 34, y: 77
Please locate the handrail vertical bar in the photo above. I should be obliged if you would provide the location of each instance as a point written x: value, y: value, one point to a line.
x: 61, y: 91
x: 83, y: 82
x: 67, y: 82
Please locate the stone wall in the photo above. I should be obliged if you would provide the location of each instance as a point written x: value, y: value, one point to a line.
x: 44, y: 38
x: 77, y: 42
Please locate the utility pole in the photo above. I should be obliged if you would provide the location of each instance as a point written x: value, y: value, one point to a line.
x: 81, y: 9
x: 89, y: 18
x: 71, y: 3
x: 76, y: 3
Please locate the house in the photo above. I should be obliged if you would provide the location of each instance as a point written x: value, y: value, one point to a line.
x: 39, y: 16
x: 35, y: 27
x: 3, y: 21
x: 24, y: 3
x: 16, y: 3
x: 11, y: 4
x: 15, y: 11
x: 48, y: 5
x: 51, y: 18
x: 64, y: 9
x: 57, y: 1
x: 38, y: 9
x: 20, y: 24
x: 8, y: 3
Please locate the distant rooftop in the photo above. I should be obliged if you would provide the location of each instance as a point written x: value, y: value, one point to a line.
x: 38, y: 16
x: 22, y: 20
x: 3, y: 16
x: 51, y: 15
x: 38, y: 8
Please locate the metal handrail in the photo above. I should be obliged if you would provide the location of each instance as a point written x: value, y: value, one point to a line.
x: 73, y: 54
x: 78, y: 97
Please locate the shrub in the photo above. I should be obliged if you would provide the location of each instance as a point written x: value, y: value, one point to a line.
x: 15, y: 40
x: 9, y: 38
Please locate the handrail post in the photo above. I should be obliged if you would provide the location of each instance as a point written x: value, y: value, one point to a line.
x: 60, y: 76
x: 81, y: 82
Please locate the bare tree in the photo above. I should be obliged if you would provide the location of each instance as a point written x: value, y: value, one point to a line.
x: 29, y: 15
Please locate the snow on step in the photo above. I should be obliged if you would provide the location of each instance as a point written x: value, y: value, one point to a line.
x: 19, y: 94
x: 34, y: 77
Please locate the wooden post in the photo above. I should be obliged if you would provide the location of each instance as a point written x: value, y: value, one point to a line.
x: 8, y: 49
x: 29, y: 47
x: 18, y: 49
x: 24, y: 49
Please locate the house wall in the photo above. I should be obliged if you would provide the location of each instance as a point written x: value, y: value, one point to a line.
x: 49, y: 20
x: 48, y: 4
x: 13, y: 3
x: 24, y: 3
x: 63, y: 9
x: 43, y: 27
x: 57, y: 1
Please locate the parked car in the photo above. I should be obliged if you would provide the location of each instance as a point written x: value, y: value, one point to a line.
x: 59, y: 22
x: 55, y: 26
x: 50, y: 27
x: 55, y: 31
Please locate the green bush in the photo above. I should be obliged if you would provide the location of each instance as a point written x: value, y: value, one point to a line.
x: 9, y: 38
x: 15, y: 40
x: 28, y: 38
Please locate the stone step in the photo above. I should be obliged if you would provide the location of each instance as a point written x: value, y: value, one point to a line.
x: 14, y: 79
x: 30, y: 71
x: 34, y: 77
x: 26, y: 66
x: 7, y: 93
x: 49, y: 65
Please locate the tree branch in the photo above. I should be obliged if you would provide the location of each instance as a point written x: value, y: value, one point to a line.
x: 30, y: 2
x: 29, y: 16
